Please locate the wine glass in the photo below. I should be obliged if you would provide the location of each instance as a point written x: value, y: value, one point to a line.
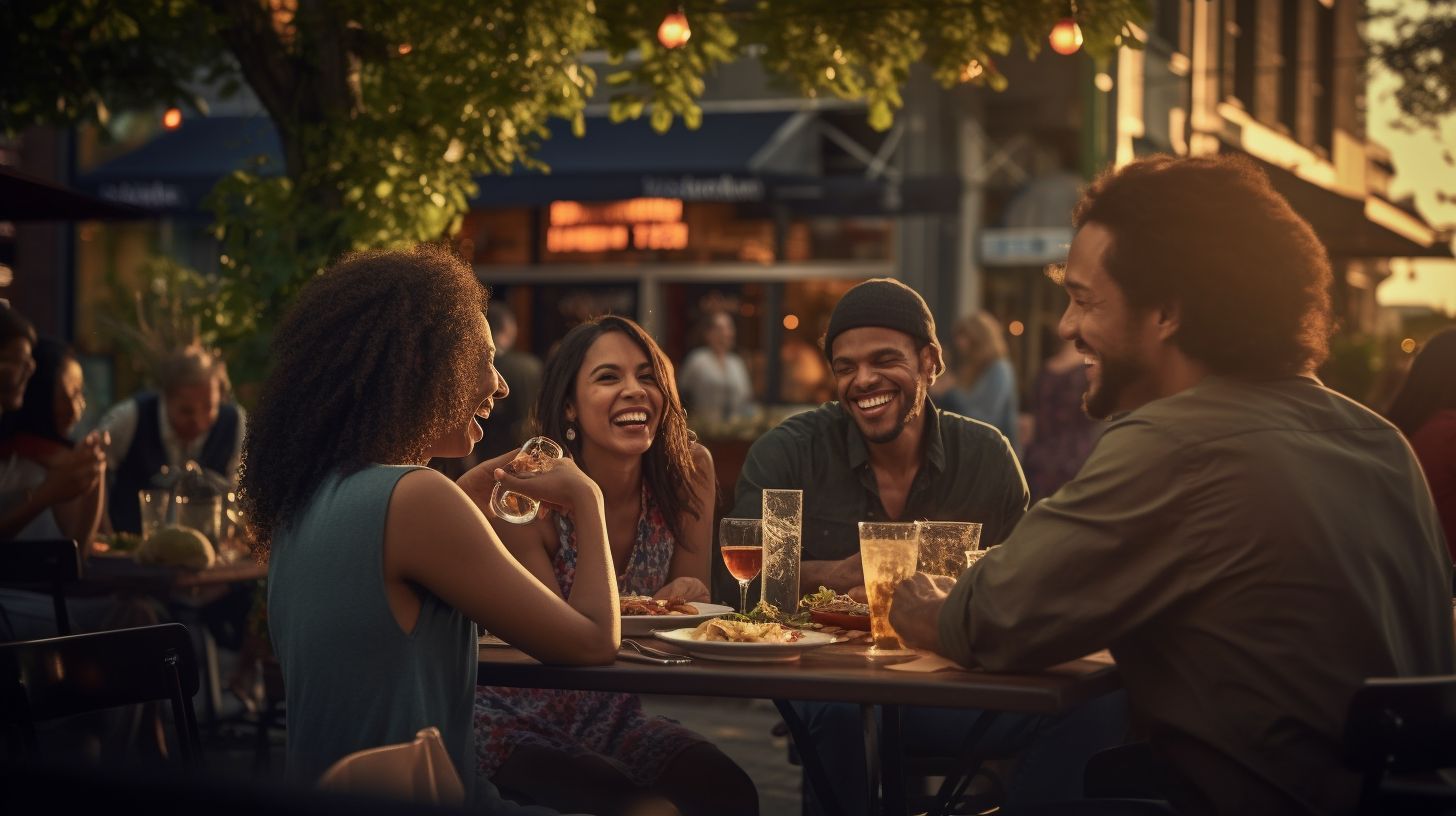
x: 535, y: 456
x: 741, y: 542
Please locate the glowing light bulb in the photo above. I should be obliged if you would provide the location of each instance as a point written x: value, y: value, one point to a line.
x: 1066, y: 36
x: 172, y: 119
x: 674, y: 31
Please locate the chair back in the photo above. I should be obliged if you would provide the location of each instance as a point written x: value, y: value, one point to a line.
x: 52, y: 563
x: 43, y: 680
x: 420, y: 771
x: 1400, y: 725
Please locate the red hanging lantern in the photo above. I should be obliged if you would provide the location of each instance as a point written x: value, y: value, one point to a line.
x: 674, y: 31
x: 1066, y: 36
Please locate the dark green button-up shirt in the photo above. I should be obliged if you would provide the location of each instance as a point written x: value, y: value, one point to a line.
x: 969, y: 474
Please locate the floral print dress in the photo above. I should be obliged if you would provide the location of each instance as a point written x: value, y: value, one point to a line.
x: 610, y: 725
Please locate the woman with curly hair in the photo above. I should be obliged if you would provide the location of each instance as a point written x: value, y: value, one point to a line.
x: 379, y: 567
x: 608, y: 392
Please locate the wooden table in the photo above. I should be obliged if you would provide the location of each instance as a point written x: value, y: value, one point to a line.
x: 831, y: 674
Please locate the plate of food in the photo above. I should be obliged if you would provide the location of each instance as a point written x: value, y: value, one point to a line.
x: 745, y: 641
x: 641, y: 615
x: 828, y: 608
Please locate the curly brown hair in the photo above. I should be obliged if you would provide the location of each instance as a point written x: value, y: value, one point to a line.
x: 1212, y: 235
x: 378, y: 357
x: 668, y: 465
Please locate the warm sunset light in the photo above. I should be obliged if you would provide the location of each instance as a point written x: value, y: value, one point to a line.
x: 1066, y: 36
x: 674, y: 31
x: 791, y: 322
x: 1408, y: 346
x: 172, y: 119
x: 1016, y: 328
x: 972, y: 70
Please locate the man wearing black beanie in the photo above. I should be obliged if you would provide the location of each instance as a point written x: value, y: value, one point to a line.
x: 884, y: 452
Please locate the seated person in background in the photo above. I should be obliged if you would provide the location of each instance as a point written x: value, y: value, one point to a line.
x: 608, y: 394
x: 379, y: 566
x: 191, y: 418
x: 37, y: 441
x: 1249, y: 544
x: 884, y: 452
x: 984, y: 383
x: 1425, y: 411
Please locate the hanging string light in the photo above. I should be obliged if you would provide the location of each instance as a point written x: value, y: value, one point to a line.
x: 172, y: 119
x: 674, y: 31
x: 1066, y: 36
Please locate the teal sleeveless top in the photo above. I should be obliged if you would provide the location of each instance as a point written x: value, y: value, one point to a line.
x: 353, y: 678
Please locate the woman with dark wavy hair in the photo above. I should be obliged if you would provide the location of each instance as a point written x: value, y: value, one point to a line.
x: 380, y: 567
x: 608, y: 393
x: 1425, y: 411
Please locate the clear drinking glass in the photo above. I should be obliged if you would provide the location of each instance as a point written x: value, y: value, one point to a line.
x: 944, y: 544
x: 888, y: 551
x: 741, y: 542
x: 155, y: 505
x: 203, y: 514
x: 783, y: 521
x: 535, y: 456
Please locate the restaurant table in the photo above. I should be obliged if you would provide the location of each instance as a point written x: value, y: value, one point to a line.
x: 106, y: 573
x: 837, y: 673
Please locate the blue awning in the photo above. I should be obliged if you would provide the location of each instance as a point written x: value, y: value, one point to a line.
x: 747, y: 158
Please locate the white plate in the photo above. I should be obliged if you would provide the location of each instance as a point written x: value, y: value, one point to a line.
x: 745, y: 652
x: 645, y: 625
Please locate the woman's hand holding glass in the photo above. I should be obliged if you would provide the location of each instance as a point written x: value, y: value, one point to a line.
x: 560, y: 483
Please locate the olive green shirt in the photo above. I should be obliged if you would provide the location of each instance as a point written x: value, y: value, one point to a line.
x: 969, y: 474
x: 1250, y: 552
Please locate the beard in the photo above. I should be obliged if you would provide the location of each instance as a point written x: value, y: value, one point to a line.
x: 1104, y: 398
x: 912, y: 412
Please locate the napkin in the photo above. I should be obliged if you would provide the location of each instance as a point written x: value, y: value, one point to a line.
x: 926, y: 662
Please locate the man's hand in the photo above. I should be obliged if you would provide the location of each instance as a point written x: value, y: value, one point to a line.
x: 845, y: 575
x: 686, y: 587
x: 915, y: 610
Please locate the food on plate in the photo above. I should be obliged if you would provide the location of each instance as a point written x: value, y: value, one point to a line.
x: 177, y: 547
x: 118, y: 543
x: 643, y: 605
x: 741, y: 631
x: 827, y: 600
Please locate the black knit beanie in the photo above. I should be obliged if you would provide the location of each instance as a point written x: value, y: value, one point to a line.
x: 885, y: 303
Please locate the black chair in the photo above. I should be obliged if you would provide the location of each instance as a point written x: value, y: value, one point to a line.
x: 47, y: 564
x: 1398, y: 732
x: 43, y: 680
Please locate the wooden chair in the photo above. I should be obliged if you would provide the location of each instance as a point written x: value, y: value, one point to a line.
x: 47, y: 563
x: 1398, y: 732
x: 43, y: 680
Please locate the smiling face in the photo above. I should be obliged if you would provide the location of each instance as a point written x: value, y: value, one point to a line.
x: 618, y: 402
x: 16, y: 366
x: 490, y: 387
x: 70, y: 397
x: 881, y: 380
x: 1118, y: 342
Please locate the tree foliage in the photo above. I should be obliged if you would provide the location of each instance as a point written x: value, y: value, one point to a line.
x: 1418, y: 42
x: 389, y: 112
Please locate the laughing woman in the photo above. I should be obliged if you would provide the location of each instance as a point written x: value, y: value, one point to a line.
x: 378, y: 565
x: 608, y: 392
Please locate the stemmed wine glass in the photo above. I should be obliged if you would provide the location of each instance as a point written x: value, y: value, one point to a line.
x: 741, y: 541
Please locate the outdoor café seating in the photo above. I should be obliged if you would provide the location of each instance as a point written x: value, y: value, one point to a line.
x: 44, y: 680
x: 47, y: 564
x: 1399, y: 732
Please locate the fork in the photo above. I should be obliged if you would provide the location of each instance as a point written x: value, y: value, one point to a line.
x: 654, y: 655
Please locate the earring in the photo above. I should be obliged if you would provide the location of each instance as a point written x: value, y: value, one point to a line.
x: 570, y: 434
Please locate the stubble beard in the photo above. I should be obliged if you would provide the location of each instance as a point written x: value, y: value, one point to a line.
x: 917, y: 405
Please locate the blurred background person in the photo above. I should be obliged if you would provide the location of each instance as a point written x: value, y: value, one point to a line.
x: 192, y: 418
x: 522, y: 371
x: 982, y: 384
x: 714, y: 379
x: 1425, y: 411
x: 1062, y: 434
x: 39, y: 434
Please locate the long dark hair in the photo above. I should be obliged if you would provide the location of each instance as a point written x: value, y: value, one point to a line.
x: 1429, y: 386
x: 37, y: 414
x: 668, y: 464
x: 378, y: 357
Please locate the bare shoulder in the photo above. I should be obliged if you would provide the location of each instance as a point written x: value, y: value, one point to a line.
x: 426, y: 498
x: 702, y: 457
